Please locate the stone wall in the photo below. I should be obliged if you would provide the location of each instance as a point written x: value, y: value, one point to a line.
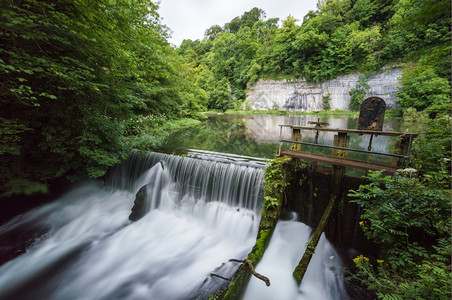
x: 303, y: 96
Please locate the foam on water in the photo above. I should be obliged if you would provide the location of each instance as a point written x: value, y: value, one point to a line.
x: 92, y: 251
x: 323, y: 278
x: 205, y: 214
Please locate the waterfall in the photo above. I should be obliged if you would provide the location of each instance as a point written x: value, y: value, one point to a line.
x: 199, y: 214
x: 323, y: 279
x: 192, y: 180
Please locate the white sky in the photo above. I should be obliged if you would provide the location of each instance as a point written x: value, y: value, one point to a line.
x: 189, y: 19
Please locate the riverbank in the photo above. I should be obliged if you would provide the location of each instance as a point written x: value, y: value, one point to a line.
x: 283, y: 112
x: 144, y: 133
x: 389, y: 113
x: 148, y: 133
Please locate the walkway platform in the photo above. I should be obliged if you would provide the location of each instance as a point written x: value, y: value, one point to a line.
x: 340, y: 149
x: 338, y: 161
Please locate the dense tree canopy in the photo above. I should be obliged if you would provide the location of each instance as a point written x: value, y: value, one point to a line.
x: 77, y: 77
x: 340, y: 37
x: 71, y: 72
x: 84, y: 81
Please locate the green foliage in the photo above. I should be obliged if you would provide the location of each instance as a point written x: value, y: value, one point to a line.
x: 247, y: 105
x: 407, y: 219
x: 431, y: 152
x: 419, y: 27
x: 279, y: 56
x: 340, y: 37
x: 410, y: 114
x: 248, y: 19
x: 358, y: 94
x: 276, y: 179
x: 395, y: 207
x: 423, y: 89
x: 148, y: 133
x: 220, y: 96
x: 431, y: 279
x: 410, y: 220
x: 24, y: 186
x: 212, y: 32
x: 70, y: 73
x: 270, y: 203
x: 326, y: 101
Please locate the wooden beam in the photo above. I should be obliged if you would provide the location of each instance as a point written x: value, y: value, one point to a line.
x: 296, y: 136
x: 338, y: 161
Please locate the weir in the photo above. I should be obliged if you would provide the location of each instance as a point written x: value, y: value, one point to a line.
x: 200, y: 215
x: 192, y: 180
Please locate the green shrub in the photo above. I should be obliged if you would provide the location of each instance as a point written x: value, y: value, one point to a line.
x: 358, y: 94
x: 423, y: 89
x: 410, y: 222
x: 410, y: 114
x: 431, y: 152
x: 326, y: 101
x: 149, y: 132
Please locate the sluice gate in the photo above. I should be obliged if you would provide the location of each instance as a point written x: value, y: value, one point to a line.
x: 337, y: 157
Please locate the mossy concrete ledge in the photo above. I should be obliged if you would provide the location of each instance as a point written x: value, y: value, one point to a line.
x: 276, y: 179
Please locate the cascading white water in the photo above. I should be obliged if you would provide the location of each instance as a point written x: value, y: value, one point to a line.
x: 192, y: 179
x: 204, y: 214
x: 323, y: 278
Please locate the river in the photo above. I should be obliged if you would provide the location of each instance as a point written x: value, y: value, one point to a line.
x: 259, y: 135
x: 201, y: 212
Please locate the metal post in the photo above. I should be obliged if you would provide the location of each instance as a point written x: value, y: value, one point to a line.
x: 280, y: 138
x: 369, y: 147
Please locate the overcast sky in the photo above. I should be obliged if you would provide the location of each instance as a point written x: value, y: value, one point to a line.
x: 189, y: 19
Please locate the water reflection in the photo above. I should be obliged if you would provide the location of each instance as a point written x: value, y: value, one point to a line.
x: 223, y: 133
x: 259, y: 135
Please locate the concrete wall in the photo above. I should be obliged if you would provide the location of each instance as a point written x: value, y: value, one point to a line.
x: 304, y: 96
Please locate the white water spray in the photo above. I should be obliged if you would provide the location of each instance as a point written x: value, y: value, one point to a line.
x: 206, y: 214
x: 323, y: 278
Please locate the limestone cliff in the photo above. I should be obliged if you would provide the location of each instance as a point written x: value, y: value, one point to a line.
x: 303, y: 96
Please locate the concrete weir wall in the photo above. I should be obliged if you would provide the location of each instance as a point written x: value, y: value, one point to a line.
x: 303, y: 96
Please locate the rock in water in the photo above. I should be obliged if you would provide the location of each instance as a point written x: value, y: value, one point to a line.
x: 139, y: 205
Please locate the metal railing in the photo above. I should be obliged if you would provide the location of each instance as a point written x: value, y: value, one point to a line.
x: 406, y: 137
